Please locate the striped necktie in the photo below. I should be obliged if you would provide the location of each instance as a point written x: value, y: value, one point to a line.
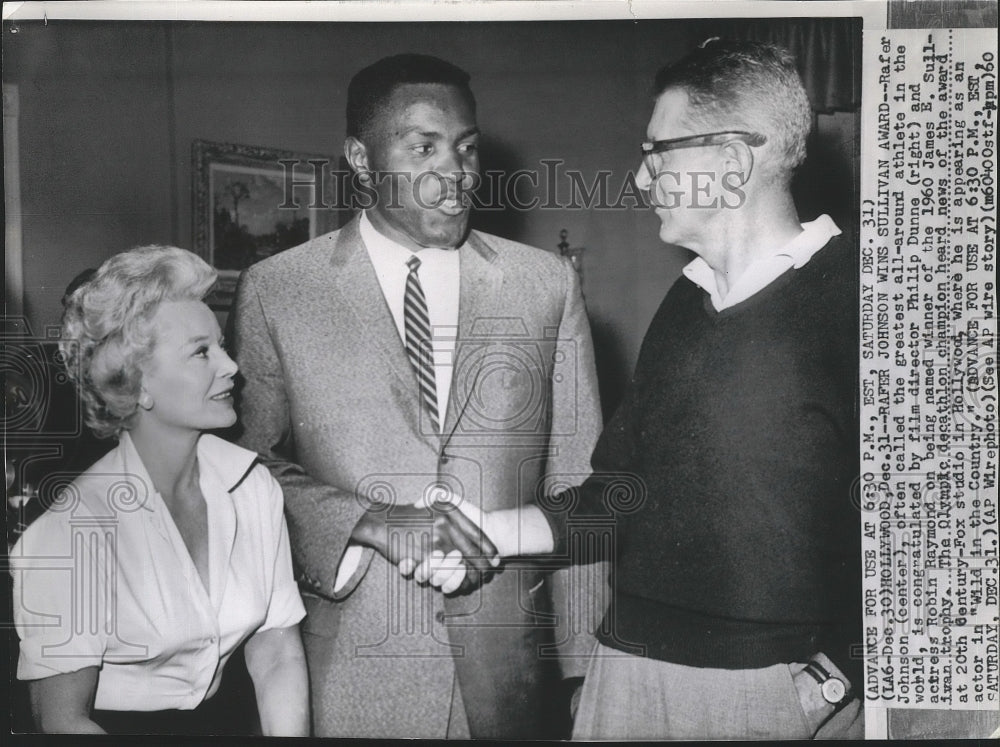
x: 417, y: 327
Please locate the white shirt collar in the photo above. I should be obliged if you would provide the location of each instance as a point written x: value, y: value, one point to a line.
x: 225, y: 461
x: 765, y: 270
x: 440, y: 278
x: 386, y: 252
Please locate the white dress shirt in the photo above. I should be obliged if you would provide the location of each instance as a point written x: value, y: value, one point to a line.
x: 764, y: 270
x: 104, y: 579
x: 439, y: 278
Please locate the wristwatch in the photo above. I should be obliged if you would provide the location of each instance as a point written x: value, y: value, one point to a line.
x: 833, y: 688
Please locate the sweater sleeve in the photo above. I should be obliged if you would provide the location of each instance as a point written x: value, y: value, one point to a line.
x: 613, y: 486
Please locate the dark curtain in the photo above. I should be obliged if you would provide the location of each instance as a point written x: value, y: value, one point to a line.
x: 828, y: 51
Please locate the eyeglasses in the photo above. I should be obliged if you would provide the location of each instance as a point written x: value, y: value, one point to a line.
x: 650, y: 149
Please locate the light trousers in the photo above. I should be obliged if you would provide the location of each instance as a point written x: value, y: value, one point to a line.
x: 628, y: 697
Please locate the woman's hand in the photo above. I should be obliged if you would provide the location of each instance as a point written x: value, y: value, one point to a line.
x: 277, y: 666
x: 61, y: 704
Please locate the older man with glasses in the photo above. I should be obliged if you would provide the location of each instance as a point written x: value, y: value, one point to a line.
x: 736, y: 579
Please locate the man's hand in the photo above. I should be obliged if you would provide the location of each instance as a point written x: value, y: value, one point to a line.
x: 437, y: 543
x: 522, y: 530
x: 814, y: 705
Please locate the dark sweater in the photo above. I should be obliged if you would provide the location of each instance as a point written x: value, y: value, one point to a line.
x: 742, y: 427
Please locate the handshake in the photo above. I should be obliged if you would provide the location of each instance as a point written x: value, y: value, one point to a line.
x: 439, y: 542
x: 449, y: 544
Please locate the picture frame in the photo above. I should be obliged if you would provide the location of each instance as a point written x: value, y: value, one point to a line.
x: 250, y: 202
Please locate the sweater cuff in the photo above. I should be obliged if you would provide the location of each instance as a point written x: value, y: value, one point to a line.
x: 557, y: 521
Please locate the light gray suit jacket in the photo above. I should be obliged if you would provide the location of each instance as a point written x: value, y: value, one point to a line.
x: 331, y: 403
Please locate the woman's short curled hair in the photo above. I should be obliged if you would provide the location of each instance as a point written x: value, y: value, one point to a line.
x: 107, y: 332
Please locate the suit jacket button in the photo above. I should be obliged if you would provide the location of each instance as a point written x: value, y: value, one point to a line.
x: 445, y: 459
x: 439, y: 616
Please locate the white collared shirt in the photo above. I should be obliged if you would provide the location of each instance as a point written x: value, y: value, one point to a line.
x: 765, y: 270
x: 103, y: 578
x: 439, y: 278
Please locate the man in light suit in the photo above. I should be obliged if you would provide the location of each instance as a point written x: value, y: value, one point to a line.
x: 358, y: 426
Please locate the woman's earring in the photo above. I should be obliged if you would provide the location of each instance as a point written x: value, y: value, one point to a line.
x: 145, y: 401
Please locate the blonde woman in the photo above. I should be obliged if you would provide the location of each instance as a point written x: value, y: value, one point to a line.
x: 134, y: 589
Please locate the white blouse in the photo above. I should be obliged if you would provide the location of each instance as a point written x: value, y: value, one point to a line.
x: 103, y: 578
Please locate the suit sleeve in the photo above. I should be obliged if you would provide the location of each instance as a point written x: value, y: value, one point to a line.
x: 614, y: 484
x: 579, y: 592
x: 320, y: 517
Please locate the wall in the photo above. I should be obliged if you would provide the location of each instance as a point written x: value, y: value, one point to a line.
x: 94, y: 141
x: 108, y: 114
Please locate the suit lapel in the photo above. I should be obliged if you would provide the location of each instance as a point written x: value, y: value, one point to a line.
x: 480, y: 281
x: 355, y: 281
x: 479, y: 295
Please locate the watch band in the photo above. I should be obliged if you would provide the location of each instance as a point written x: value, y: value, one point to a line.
x: 817, y: 671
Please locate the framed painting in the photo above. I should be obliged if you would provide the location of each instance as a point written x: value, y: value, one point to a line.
x: 251, y: 202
